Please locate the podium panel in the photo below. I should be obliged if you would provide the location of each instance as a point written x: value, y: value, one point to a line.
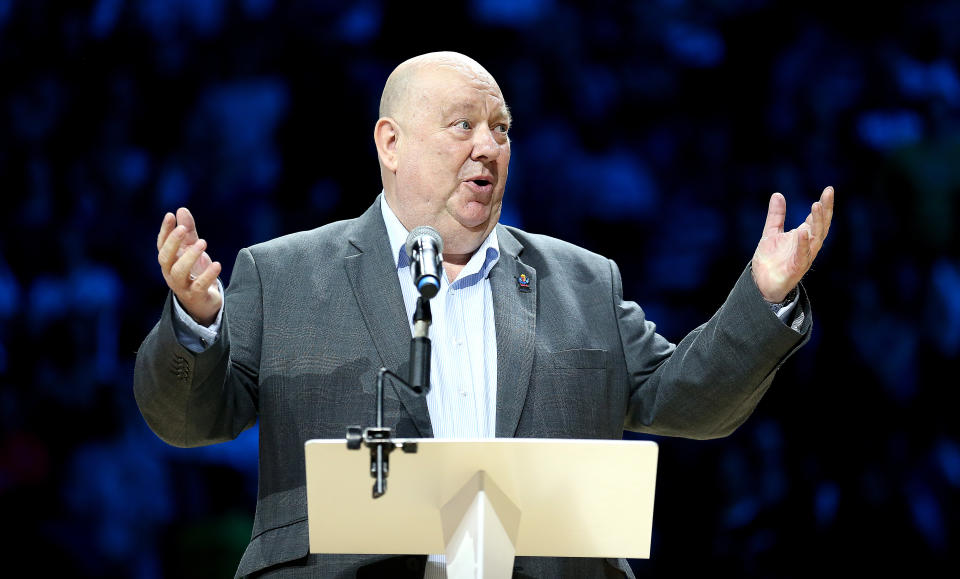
x: 576, y: 498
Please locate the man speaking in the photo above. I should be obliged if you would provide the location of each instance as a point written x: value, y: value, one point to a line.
x: 531, y: 335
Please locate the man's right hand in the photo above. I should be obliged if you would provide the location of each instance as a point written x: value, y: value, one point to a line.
x: 187, y: 268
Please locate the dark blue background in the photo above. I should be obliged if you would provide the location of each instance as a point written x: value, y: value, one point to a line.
x: 650, y: 132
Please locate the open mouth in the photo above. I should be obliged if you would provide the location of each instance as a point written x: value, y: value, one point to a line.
x: 480, y: 182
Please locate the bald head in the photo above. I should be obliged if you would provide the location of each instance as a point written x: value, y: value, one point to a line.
x: 403, y: 86
x: 443, y: 149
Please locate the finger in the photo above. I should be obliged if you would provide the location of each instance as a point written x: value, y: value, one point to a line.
x: 180, y: 272
x: 810, y: 217
x: 169, y: 222
x: 185, y: 218
x: 804, y: 250
x: 206, y: 279
x: 776, y: 214
x: 168, y: 251
x: 826, y: 199
x: 816, y: 224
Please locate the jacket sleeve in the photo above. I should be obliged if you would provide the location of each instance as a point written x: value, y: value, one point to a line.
x: 191, y: 399
x: 709, y: 383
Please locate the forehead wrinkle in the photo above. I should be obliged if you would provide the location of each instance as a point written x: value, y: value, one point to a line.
x: 461, y: 68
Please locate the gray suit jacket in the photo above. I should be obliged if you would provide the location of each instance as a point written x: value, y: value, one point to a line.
x: 310, y: 318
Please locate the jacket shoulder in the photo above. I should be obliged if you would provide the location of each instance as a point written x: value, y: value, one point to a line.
x: 328, y: 240
x: 550, y: 250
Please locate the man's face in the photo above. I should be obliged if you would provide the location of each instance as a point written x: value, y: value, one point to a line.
x: 453, y: 155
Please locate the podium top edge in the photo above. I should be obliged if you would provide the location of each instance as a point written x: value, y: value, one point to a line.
x: 503, y: 441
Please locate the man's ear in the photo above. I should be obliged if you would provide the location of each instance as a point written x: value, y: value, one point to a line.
x: 386, y: 135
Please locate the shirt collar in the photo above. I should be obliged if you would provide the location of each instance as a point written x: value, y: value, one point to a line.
x: 481, y: 262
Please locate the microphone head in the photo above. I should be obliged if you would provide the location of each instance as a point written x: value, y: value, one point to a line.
x: 423, y: 231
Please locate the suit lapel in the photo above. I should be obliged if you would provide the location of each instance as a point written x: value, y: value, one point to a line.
x: 515, y: 315
x: 372, y: 274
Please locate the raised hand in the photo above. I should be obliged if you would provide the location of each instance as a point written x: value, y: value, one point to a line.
x: 783, y: 257
x: 187, y: 268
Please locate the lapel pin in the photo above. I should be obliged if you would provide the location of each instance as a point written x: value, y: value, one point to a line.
x: 523, y: 283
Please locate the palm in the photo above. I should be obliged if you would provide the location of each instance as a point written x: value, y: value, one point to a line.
x: 202, y: 262
x: 783, y: 257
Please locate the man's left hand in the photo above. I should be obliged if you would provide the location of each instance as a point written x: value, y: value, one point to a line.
x: 783, y: 257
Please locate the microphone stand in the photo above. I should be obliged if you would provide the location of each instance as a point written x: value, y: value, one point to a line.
x: 378, y: 438
x: 420, y: 347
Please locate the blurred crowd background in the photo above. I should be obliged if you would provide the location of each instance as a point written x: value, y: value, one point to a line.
x: 651, y: 132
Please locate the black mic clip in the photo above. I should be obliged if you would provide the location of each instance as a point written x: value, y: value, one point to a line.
x: 379, y: 439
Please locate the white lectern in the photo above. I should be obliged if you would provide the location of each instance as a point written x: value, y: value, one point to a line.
x: 482, y: 502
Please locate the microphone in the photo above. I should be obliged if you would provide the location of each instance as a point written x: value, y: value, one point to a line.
x: 425, y: 250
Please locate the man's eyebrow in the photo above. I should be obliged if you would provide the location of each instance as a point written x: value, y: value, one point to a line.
x: 467, y: 107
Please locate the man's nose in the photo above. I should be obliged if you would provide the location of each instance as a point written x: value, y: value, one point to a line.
x: 485, y: 145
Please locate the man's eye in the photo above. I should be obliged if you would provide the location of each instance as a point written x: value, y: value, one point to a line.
x: 502, y: 128
x: 465, y: 125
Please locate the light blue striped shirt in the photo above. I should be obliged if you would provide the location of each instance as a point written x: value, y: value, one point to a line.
x: 463, y: 361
